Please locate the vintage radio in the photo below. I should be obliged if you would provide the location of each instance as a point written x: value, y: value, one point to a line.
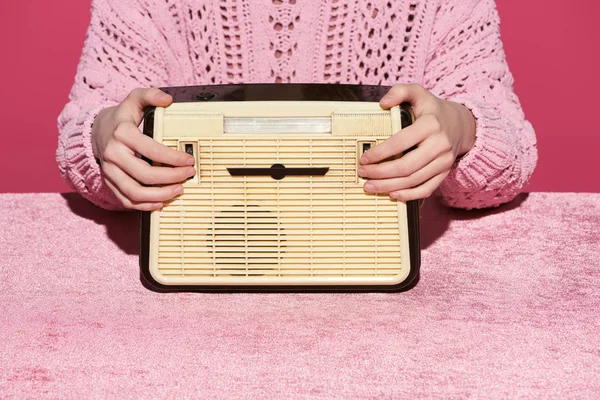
x: 277, y: 204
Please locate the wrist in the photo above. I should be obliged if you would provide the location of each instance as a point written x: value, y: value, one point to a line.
x: 96, y: 133
x: 468, y: 128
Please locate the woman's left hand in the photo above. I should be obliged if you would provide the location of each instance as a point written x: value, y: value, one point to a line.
x: 442, y: 131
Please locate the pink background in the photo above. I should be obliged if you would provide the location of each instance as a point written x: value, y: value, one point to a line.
x: 554, y: 61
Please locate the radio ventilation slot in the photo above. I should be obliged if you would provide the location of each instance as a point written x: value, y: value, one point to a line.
x: 361, y: 123
x: 181, y: 123
x: 246, y: 241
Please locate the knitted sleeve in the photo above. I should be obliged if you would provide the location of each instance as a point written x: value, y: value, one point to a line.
x: 466, y: 64
x: 118, y: 55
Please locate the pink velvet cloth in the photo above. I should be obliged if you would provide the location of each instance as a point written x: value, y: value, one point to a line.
x: 507, y: 307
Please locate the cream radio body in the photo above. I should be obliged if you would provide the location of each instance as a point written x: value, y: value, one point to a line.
x: 276, y: 203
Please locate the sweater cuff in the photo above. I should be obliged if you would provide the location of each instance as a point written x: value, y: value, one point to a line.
x: 477, y: 178
x: 79, y: 166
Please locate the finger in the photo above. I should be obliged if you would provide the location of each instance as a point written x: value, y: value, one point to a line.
x: 140, y: 98
x: 398, y: 143
x: 437, y: 166
x: 429, y: 150
x: 128, y: 203
x: 412, y: 93
x: 422, y: 191
x: 147, y: 174
x: 130, y: 136
x: 137, y: 193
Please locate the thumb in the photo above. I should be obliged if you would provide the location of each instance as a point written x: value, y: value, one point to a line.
x: 141, y: 98
x: 413, y: 93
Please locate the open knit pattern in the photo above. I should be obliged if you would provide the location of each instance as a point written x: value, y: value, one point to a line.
x: 452, y: 47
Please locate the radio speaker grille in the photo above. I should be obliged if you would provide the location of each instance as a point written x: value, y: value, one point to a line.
x: 257, y: 227
x: 246, y: 239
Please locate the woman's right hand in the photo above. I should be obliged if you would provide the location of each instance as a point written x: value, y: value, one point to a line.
x: 117, y: 141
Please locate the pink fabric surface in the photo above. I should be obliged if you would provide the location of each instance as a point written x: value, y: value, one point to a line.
x: 451, y: 47
x: 507, y: 307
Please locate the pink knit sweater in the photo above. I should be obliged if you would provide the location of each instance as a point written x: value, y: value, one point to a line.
x: 452, y: 47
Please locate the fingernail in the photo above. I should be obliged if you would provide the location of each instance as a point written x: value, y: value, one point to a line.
x: 386, y: 98
x: 178, y: 190
x: 157, y: 206
x: 364, y: 160
x: 191, y: 172
x: 191, y: 161
x: 361, y: 172
x: 369, y: 187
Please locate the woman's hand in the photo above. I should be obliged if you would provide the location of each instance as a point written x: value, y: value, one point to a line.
x: 442, y: 130
x: 116, y: 140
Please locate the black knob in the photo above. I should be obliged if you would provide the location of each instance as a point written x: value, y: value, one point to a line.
x: 204, y: 96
